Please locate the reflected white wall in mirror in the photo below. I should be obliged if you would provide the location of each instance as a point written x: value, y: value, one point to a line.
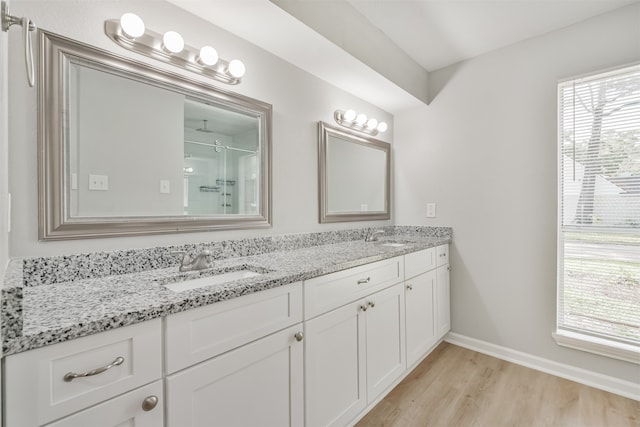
x: 354, y: 176
x: 116, y: 126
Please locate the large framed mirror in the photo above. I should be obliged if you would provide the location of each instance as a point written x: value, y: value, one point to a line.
x: 128, y: 149
x: 354, y: 176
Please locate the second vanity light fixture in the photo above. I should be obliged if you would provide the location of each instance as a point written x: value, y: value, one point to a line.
x: 359, y: 122
x: 130, y: 32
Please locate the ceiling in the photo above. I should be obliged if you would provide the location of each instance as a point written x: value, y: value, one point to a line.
x: 438, y: 33
x: 427, y: 34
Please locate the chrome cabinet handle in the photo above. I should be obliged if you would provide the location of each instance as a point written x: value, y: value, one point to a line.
x: 363, y: 307
x: 70, y: 376
x: 149, y: 403
x: 409, y: 287
x: 372, y: 304
x: 362, y: 281
x: 299, y: 336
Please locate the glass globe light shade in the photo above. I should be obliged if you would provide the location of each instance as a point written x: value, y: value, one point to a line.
x: 173, y: 42
x: 132, y: 25
x: 349, y: 115
x: 236, y: 68
x: 372, y: 123
x: 208, y: 55
x: 361, y: 119
x: 382, y: 126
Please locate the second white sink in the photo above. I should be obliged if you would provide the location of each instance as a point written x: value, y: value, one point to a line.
x: 218, y: 279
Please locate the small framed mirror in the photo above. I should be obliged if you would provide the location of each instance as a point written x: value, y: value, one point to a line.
x: 129, y: 149
x: 354, y: 176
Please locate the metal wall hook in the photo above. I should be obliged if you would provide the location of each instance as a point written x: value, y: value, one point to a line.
x: 27, y: 26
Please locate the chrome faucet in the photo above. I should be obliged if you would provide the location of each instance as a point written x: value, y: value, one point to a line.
x: 199, y: 262
x: 372, y: 236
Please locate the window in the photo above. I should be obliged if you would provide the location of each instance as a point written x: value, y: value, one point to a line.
x: 599, y: 214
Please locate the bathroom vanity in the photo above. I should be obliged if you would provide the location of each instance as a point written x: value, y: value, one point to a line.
x: 317, y: 338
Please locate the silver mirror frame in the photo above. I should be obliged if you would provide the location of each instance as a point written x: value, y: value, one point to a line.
x: 324, y: 131
x: 54, y: 223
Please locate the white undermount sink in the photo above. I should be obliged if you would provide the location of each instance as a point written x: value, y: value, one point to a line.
x: 393, y: 244
x: 218, y: 279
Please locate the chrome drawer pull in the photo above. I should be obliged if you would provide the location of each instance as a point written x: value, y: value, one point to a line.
x: 299, y: 336
x: 362, y: 281
x: 70, y: 376
x: 149, y: 403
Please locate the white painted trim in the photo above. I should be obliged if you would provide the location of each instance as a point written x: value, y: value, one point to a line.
x: 604, y: 382
x: 613, y: 349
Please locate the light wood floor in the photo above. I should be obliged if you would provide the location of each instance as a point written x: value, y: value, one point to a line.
x: 454, y: 386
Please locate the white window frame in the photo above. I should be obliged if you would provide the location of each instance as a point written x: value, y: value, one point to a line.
x: 565, y: 337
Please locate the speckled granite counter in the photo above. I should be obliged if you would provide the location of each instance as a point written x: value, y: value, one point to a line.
x: 51, y: 300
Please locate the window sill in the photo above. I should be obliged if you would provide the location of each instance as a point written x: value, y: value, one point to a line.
x: 603, y: 347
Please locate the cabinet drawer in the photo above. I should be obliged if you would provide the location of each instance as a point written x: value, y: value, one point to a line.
x: 442, y: 255
x: 195, y: 335
x: 123, y: 410
x: 336, y: 289
x: 419, y: 262
x: 36, y: 379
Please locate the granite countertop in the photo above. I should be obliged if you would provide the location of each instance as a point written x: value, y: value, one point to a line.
x: 58, y: 312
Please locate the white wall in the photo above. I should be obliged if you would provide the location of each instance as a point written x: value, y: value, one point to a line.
x: 485, y: 151
x: 4, y: 154
x: 299, y: 100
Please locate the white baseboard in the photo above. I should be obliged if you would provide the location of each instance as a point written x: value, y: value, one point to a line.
x: 604, y: 382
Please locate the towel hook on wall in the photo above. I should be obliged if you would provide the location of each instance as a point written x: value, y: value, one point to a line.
x: 27, y: 26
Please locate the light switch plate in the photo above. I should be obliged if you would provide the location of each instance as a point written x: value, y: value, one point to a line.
x: 98, y: 182
x: 164, y: 186
x: 431, y: 210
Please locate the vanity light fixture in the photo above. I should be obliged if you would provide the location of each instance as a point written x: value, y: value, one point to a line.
x: 359, y: 122
x: 130, y: 32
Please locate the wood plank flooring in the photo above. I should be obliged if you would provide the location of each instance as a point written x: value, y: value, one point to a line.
x: 454, y: 386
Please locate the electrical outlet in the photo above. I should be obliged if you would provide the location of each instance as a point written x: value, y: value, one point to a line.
x: 164, y: 186
x: 364, y: 207
x: 431, y: 210
x: 98, y: 182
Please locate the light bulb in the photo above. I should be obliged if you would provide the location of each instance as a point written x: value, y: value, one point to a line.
x: 132, y: 25
x: 172, y: 42
x: 382, y: 126
x: 236, y: 68
x: 372, y: 123
x: 361, y: 119
x: 208, y: 55
x: 349, y: 115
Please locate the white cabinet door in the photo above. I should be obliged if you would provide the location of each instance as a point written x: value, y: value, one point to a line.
x: 420, y: 317
x: 385, y: 339
x: 334, y: 367
x: 443, y: 303
x: 259, y: 384
x: 139, y: 408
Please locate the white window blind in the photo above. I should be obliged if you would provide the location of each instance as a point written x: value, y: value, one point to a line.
x: 599, y: 208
